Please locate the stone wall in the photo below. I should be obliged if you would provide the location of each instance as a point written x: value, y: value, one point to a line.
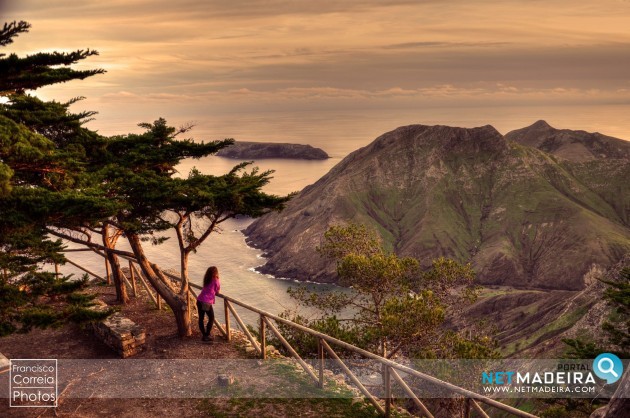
x: 121, y: 334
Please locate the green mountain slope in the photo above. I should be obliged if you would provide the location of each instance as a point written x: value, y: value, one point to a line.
x: 576, y: 146
x: 519, y: 215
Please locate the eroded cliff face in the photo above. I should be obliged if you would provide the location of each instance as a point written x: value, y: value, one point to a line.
x: 521, y: 216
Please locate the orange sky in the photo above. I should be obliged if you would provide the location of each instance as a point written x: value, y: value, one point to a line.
x: 205, y: 60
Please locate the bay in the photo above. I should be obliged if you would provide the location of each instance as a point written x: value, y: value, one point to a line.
x: 227, y: 248
x: 338, y: 133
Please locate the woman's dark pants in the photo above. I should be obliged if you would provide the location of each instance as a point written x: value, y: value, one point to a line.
x: 205, y: 330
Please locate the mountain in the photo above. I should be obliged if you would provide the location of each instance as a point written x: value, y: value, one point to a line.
x: 576, y: 146
x: 598, y: 161
x: 523, y: 217
x: 260, y: 150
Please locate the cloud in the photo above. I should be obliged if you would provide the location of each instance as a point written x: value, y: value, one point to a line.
x: 429, y: 44
x: 446, y: 92
x: 257, y: 56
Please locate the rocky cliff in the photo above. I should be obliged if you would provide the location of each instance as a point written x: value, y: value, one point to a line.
x: 520, y: 215
x: 260, y: 150
x: 576, y: 146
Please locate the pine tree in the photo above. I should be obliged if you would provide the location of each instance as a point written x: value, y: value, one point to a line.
x: 140, y: 176
x: 61, y: 179
x: 38, y: 70
x: 41, y: 165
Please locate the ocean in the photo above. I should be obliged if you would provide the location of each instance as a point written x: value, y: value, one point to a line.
x: 338, y: 133
x: 226, y: 248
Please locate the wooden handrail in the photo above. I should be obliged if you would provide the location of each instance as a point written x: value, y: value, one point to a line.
x: 477, y: 408
x: 245, y: 330
x: 294, y: 353
x: 352, y: 377
x: 464, y: 392
x: 324, y: 340
x: 410, y: 393
x: 85, y: 270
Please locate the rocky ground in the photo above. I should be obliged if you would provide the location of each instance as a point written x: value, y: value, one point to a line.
x: 182, y: 379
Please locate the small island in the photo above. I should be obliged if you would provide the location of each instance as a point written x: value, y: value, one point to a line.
x: 259, y: 150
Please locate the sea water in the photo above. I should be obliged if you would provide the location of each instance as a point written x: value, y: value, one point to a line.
x: 226, y: 248
x: 338, y: 133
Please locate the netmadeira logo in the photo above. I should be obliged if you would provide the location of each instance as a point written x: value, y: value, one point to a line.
x: 569, y: 377
x: 560, y: 376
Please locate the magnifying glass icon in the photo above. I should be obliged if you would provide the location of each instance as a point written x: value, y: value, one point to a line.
x: 610, y: 369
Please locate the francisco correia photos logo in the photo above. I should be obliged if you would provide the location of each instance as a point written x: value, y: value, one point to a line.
x: 33, y: 383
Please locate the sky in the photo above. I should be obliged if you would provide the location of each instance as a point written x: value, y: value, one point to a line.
x: 300, y: 70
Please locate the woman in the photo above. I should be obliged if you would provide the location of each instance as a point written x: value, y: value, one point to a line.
x: 205, y: 300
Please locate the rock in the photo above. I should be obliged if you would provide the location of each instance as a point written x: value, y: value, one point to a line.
x: 576, y: 146
x: 225, y: 379
x: 121, y: 334
x: 4, y: 362
x: 260, y: 150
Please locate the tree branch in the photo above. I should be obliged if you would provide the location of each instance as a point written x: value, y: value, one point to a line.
x: 89, y: 244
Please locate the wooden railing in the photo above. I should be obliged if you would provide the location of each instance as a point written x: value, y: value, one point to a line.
x: 391, y: 369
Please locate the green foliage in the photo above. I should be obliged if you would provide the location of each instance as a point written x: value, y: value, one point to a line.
x: 343, y: 240
x: 40, y: 69
x: 43, y: 181
x: 394, y: 305
x: 59, y: 178
x: 39, y: 300
x: 569, y: 408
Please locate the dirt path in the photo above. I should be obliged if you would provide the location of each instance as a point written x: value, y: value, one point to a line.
x: 170, y: 377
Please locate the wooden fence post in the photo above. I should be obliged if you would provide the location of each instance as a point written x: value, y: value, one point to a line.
x: 321, y: 357
x: 263, y: 338
x: 107, y: 272
x: 132, y: 275
x: 387, y: 383
x: 226, y: 306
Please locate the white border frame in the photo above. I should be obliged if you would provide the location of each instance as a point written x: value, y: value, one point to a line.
x: 11, y: 383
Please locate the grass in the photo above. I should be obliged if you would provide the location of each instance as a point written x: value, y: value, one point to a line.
x: 559, y: 324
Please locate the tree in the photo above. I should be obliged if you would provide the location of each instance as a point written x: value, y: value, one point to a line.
x: 139, y: 175
x: 202, y: 203
x: 395, y: 306
x: 37, y: 70
x: 38, y: 171
x: 59, y: 178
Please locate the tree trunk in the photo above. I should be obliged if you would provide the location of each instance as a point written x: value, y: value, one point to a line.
x: 119, y: 283
x: 183, y: 292
x: 157, y: 279
x: 121, y: 290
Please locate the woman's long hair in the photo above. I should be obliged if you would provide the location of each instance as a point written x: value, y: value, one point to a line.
x: 211, y: 274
